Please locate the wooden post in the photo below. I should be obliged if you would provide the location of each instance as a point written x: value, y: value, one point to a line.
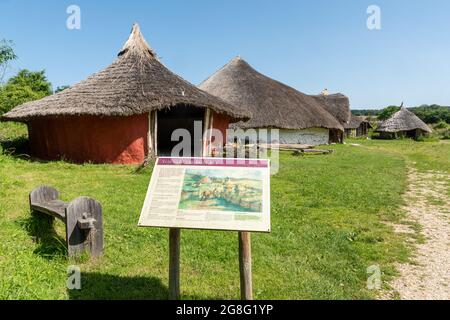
x: 174, y: 264
x: 245, y: 265
x: 207, y: 133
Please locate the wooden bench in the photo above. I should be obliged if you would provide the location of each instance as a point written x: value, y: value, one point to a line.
x: 82, y: 217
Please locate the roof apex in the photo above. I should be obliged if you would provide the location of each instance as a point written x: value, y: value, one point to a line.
x: 237, y: 60
x: 136, y: 44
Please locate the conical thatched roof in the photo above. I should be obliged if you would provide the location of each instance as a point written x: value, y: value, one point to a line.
x: 337, y: 105
x: 135, y: 83
x: 273, y: 104
x: 403, y: 120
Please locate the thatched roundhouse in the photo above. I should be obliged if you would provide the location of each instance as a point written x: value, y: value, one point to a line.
x: 123, y: 113
x: 300, y: 118
x: 338, y: 105
x: 403, y: 123
x: 357, y: 127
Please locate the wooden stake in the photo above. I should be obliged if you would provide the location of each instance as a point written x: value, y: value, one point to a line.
x: 174, y: 264
x: 245, y: 265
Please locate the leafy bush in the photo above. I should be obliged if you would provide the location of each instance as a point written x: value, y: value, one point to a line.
x: 433, y: 113
x: 428, y: 139
x: 446, y: 135
x: 387, y: 112
x: 13, y: 95
x: 441, y: 125
x: 25, y: 86
x: 374, y: 135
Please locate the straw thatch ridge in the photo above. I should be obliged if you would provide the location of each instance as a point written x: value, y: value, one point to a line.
x: 272, y: 103
x: 403, y: 120
x: 135, y: 83
x: 355, y: 122
x: 336, y: 104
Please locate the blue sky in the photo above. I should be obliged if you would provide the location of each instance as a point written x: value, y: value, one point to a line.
x: 309, y: 45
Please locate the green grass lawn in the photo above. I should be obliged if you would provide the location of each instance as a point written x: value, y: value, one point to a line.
x: 424, y: 156
x: 328, y: 215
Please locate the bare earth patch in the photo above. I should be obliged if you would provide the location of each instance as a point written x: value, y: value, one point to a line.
x: 427, y: 276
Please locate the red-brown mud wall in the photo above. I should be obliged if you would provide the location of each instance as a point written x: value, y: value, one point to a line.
x: 80, y: 139
x: 221, y: 122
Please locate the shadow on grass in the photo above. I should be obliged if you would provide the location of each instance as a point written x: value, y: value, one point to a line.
x: 199, y: 298
x: 50, y: 245
x: 17, y: 148
x: 97, y: 286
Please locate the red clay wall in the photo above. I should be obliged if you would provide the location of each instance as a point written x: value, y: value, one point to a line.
x: 118, y: 140
x: 221, y: 122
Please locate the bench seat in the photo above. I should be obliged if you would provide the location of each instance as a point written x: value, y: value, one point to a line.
x: 55, y: 208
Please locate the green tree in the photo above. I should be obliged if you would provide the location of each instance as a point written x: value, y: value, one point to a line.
x: 61, y: 88
x: 433, y: 113
x: 35, y: 80
x: 428, y: 113
x: 7, y: 54
x: 387, y: 112
x: 25, y: 86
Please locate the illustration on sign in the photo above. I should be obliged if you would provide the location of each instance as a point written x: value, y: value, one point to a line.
x: 222, y: 190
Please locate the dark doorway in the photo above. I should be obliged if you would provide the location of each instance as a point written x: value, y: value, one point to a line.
x: 180, y: 117
x: 335, y: 136
x: 412, y: 134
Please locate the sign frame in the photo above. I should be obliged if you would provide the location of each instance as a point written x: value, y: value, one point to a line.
x: 261, y: 165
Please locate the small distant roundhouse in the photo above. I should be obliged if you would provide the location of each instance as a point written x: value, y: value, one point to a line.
x: 403, y: 123
x: 338, y: 105
x: 124, y: 113
x: 357, y: 127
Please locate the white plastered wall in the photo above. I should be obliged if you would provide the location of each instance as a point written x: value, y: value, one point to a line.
x: 312, y: 136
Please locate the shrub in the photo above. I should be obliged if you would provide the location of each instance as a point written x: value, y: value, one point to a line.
x: 25, y: 86
x: 427, y: 139
x: 446, y: 135
x: 442, y: 125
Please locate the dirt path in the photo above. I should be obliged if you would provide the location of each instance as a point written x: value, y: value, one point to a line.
x: 428, y: 205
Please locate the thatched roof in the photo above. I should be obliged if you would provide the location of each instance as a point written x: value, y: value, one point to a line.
x: 402, y: 120
x: 135, y: 83
x: 355, y: 122
x: 337, y: 104
x: 273, y: 104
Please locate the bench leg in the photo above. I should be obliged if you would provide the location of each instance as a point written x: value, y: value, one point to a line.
x: 80, y: 240
x: 39, y: 195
